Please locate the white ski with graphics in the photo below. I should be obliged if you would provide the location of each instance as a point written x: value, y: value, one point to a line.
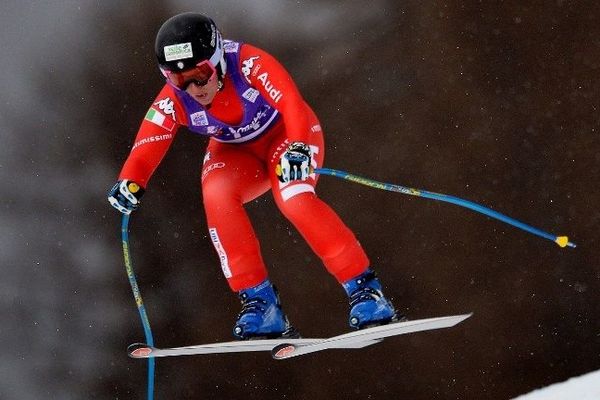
x: 142, y: 350
x: 286, y: 348
x: 369, y: 335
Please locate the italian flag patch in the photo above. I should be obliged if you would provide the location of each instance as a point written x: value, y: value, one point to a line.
x: 157, y: 118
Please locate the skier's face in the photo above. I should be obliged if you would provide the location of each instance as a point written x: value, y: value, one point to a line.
x: 204, y: 94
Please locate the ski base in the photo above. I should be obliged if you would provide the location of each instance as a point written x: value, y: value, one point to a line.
x: 284, y: 348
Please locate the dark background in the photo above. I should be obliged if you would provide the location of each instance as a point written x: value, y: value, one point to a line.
x: 495, y: 102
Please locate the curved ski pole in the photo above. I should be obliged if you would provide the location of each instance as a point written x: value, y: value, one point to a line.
x: 562, y: 241
x: 138, y: 300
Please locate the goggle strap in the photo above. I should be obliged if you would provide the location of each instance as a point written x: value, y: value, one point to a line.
x: 218, y: 54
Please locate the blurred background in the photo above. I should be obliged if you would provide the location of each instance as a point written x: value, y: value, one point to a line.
x: 495, y: 102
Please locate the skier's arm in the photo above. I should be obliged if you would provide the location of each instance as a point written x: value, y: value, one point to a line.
x: 275, y: 84
x: 154, y: 137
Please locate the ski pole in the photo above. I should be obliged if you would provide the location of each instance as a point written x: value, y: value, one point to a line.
x: 562, y: 241
x: 138, y: 301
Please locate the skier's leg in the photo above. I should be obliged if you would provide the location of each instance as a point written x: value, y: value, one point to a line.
x: 321, y: 227
x: 331, y: 239
x: 230, y: 178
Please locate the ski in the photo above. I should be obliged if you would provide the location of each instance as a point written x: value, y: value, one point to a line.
x: 142, y: 350
x: 370, y: 335
x: 286, y: 348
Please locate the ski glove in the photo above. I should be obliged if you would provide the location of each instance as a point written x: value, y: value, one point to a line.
x: 125, y: 196
x: 295, y: 163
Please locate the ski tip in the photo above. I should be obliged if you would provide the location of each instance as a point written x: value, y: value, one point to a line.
x: 139, y: 350
x: 457, y: 319
x: 469, y: 315
x: 563, y: 241
x: 283, y: 350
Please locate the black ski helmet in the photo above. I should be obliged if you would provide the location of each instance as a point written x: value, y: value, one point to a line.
x: 187, y: 39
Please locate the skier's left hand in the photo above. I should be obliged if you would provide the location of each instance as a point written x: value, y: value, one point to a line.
x: 295, y: 163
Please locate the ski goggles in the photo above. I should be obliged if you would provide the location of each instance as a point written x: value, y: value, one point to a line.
x: 203, y: 72
x: 199, y: 75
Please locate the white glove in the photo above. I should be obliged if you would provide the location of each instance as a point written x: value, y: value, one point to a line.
x: 125, y: 196
x: 295, y: 163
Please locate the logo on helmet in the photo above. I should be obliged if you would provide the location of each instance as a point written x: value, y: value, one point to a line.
x: 213, y: 35
x: 178, y: 51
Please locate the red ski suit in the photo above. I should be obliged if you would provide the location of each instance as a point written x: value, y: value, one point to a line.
x: 236, y: 171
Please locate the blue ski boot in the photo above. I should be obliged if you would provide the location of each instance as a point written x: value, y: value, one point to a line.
x: 261, y: 316
x: 368, y: 305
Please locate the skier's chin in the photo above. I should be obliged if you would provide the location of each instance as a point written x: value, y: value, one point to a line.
x: 203, y: 99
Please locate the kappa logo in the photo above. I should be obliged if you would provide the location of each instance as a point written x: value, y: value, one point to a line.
x: 167, y: 106
x: 274, y: 93
x: 247, y: 66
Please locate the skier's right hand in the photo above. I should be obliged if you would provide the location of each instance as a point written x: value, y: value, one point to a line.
x: 125, y: 196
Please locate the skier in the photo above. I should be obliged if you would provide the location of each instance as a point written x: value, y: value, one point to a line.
x: 263, y: 136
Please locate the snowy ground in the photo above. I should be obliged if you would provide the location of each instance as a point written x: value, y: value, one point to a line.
x: 585, y: 387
